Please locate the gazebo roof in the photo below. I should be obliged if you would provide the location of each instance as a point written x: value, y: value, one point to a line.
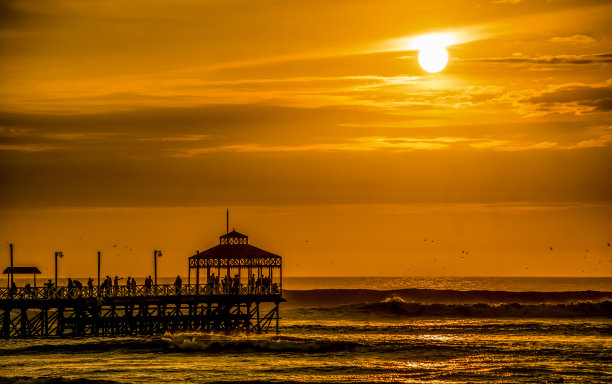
x: 234, y: 251
x: 233, y: 234
x: 21, y: 270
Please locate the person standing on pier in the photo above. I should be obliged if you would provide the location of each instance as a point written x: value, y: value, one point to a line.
x: 116, y: 285
x: 107, y: 285
x: 49, y: 288
x: 69, y: 287
x: 177, y: 284
x: 90, y: 286
x: 13, y: 290
x: 148, y: 283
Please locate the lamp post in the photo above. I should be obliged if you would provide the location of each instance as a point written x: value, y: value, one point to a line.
x: 11, y: 247
x: 98, y: 273
x: 156, y: 254
x: 60, y: 254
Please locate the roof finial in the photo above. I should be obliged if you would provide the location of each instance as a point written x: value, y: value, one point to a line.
x: 227, y: 221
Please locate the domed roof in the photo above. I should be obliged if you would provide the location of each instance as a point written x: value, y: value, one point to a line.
x: 233, y: 237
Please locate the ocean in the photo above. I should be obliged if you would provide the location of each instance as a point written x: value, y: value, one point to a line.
x: 364, y: 330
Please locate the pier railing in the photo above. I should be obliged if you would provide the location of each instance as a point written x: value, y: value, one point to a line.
x: 51, y: 293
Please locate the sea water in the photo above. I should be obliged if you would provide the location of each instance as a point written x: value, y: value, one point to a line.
x: 364, y: 330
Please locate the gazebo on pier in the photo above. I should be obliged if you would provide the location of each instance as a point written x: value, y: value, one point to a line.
x: 241, y: 291
x: 236, y: 267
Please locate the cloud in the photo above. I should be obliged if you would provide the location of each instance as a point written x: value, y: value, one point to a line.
x: 404, y: 144
x: 357, y: 144
x: 519, y: 59
x: 176, y: 138
x: 516, y: 146
x: 572, y: 98
x: 27, y: 148
x: 575, y: 39
x: 601, y: 141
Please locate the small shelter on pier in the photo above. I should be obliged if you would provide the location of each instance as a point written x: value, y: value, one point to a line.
x: 240, y: 267
x: 22, y: 271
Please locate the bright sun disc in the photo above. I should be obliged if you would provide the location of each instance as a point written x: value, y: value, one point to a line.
x: 433, y: 59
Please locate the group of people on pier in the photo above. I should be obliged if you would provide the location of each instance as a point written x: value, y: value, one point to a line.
x: 111, y: 287
x: 229, y: 285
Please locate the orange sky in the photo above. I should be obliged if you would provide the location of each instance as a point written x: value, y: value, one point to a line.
x: 133, y: 125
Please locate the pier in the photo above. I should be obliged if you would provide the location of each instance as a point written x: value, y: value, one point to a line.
x: 243, y: 296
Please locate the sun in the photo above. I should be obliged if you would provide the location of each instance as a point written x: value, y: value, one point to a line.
x: 433, y: 56
x: 433, y: 59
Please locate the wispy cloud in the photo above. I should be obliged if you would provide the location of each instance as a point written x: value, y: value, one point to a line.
x: 357, y: 144
x: 572, y: 98
x: 575, y: 39
x: 520, y: 59
x: 506, y: 1
x: 403, y: 144
x: 516, y: 146
x: 183, y: 138
x: 601, y: 141
x: 28, y: 148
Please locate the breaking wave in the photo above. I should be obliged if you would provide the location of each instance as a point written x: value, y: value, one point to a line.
x: 335, y: 297
x: 93, y: 345
x: 184, y: 342
x: 399, y: 307
x: 217, y: 343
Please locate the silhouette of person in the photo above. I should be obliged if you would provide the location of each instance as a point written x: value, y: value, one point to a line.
x: 177, y: 285
x: 148, y: 283
x: 49, y: 288
x: 13, y: 289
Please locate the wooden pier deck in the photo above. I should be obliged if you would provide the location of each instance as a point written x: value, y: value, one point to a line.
x: 45, y: 312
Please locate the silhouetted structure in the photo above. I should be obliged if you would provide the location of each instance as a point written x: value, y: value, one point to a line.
x: 228, y: 304
x: 233, y: 257
x: 22, y: 271
x: 241, y: 269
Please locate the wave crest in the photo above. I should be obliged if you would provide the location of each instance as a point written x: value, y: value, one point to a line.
x: 262, y: 343
x: 335, y: 297
x: 398, y: 306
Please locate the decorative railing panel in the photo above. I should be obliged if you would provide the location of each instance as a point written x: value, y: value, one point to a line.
x: 236, y: 263
x: 46, y: 293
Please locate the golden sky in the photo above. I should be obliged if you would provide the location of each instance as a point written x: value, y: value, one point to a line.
x: 133, y: 125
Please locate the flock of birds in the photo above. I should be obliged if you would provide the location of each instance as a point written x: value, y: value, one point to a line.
x: 463, y: 251
x: 114, y: 245
x: 550, y: 248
